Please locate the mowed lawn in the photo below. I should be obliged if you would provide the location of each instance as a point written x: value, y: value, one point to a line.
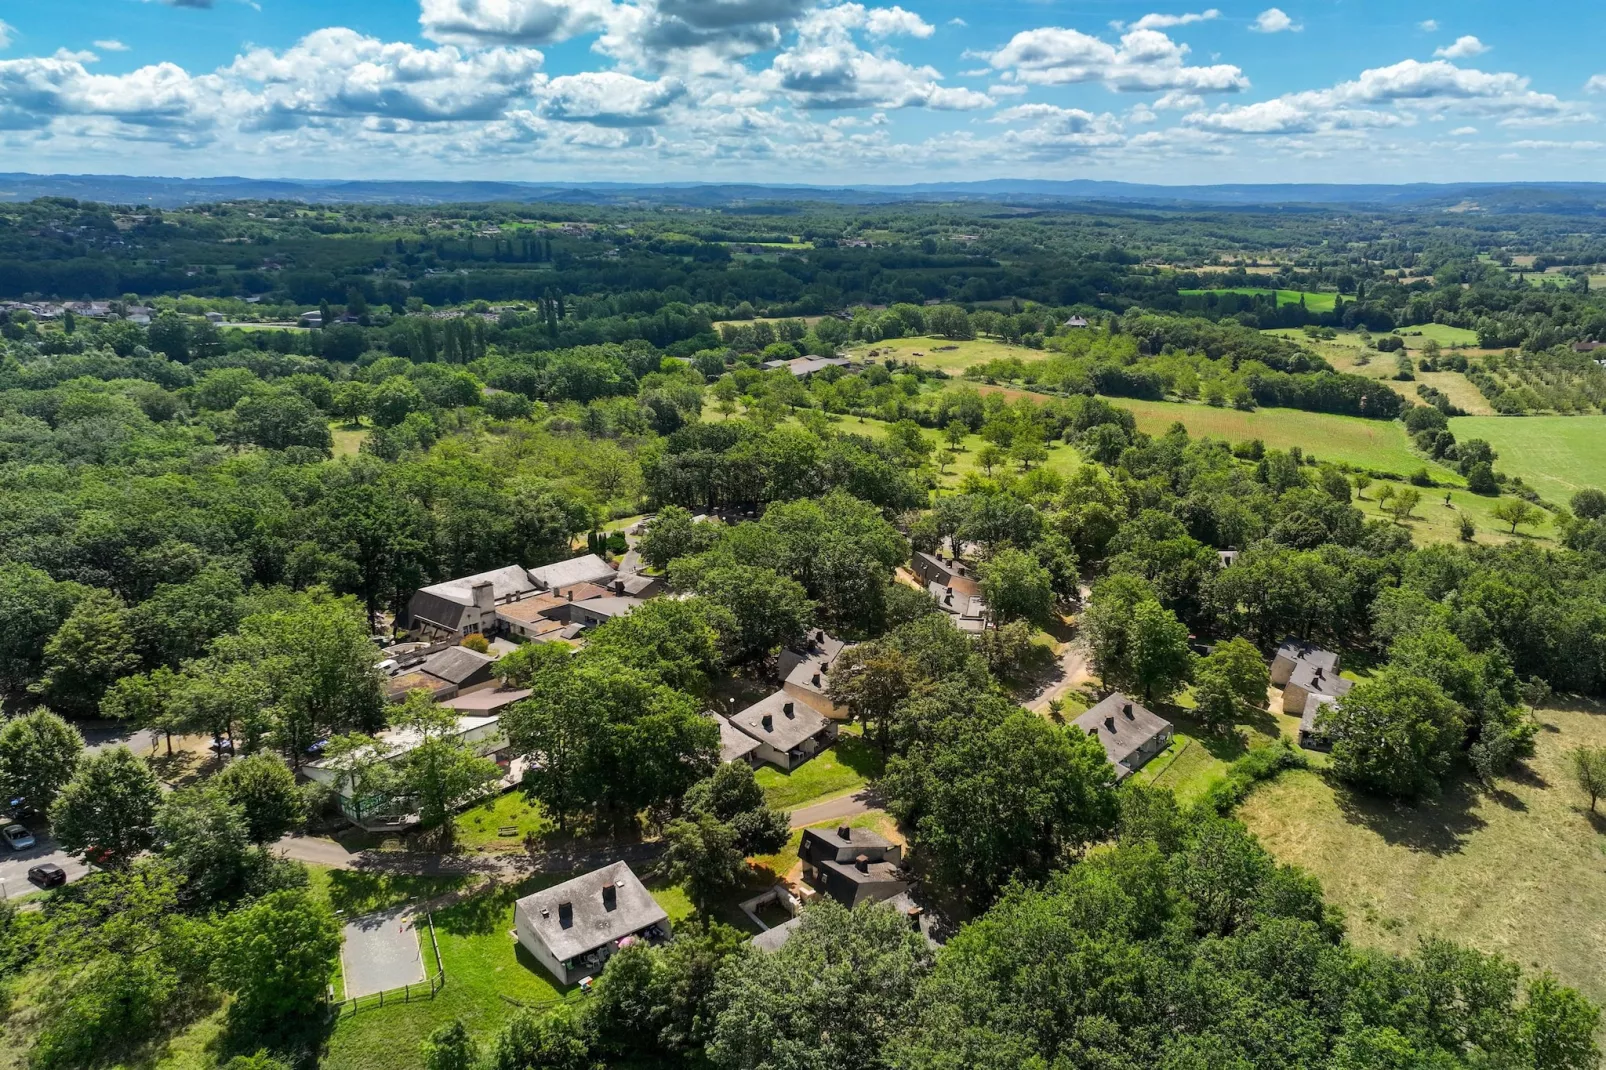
x: 1315, y: 302
x: 1381, y: 445
x: 846, y: 766
x: 1518, y: 870
x: 1556, y: 455
x: 949, y: 356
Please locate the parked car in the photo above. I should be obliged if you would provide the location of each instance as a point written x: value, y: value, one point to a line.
x: 48, y: 875
x: 17, y: 837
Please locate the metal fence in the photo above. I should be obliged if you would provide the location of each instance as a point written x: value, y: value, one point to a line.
x: 428, y: 988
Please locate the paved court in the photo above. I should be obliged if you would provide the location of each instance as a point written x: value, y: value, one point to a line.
x: 381, y: 952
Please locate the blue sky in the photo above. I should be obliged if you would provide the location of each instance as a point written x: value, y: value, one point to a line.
x: 805, y: 91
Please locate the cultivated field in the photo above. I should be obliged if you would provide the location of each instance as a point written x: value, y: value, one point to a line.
x: 1515, y: 870
x: 1315, y: 302
x: 1556, y: 455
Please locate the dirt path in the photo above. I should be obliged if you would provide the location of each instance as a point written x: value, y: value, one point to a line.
x: 1075, y: 670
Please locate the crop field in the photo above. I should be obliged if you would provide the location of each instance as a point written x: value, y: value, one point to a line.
x: 1515, y: 870
x: 1556, y: 455
x: 1315, y: 302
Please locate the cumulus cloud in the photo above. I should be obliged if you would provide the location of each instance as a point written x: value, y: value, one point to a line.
x: 340, y: 73
x: 1165, y: 22
x: 36, y: 91
x: 608, y: 98
x: 1464, y: 131
x: 1390, y: 96
x: 1274, y: 20
x: 1596, y: 84
x: 523, y: 22
x: 1463, y: 48
x: 1146, y: 61
x: 111, y: 45
x: 839, y: 74
x: 1049, y: 132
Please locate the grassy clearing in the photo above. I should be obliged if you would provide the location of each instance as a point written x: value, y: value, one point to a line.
x: 1061, y: 458
x: 949, y: 356
x: 1457, y: 387
x: 1197, y: 757
x: 1376, y: 444
x: 348, y: 438
x: 1515, y: 870
x: 1447, y: 336
x: 1433, y: 523
x: 837, y: 770
x: 1556, y: 455
x: 1315, y: 302
x: 479, y: 828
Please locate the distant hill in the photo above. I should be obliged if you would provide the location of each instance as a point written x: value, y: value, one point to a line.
x: 1566, y: 198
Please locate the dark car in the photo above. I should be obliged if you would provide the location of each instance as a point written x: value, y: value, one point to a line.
x: 48, y: 875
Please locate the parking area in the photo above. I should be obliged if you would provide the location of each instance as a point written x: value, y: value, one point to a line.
x: 14, y: 866
x: 381, y: 952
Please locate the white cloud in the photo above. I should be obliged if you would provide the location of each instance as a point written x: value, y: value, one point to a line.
x: 1575, y: 146
x: 1391, y: 96
x: 1274, y: 20
x: 1146, y: 61
x: 1464, y: 131
x: 837, y: 74
x: 1176, y: 100
x: 339, y: 73
x: 1165, y: 22
x: 6, y: 30
x: 111, y: 45
x: 1048, y: 132
x: 957, y: 21
x: 608, y: 98
x: 523, y: 22
x: 1428, y: 25
x: 1463, y: 48
x: 1596, y: 84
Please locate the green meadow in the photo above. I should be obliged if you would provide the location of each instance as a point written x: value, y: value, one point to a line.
x: 1556, y: 455
x: 1315, y: 302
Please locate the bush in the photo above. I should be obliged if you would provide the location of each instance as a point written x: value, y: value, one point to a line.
x: 1260, y: 764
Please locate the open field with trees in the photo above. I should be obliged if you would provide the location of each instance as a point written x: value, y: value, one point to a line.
x: 1556, y: 455
x: 1513, y: 869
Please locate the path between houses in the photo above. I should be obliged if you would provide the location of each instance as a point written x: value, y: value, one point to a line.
x: 844, y: 806
x: 1074, y: 670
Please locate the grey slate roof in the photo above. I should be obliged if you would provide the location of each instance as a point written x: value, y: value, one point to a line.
x: 588, y: 568
x: 786, y: 730
x: 772, y: 939
x: 1315, y: 679
x: 825, y: 843
x: 459, y: 664
x: 734, y: 744
x: 1301, y: 652
x: 817, y: 647
x: 1315, y: 704
x: 1122, y: 725
x: 592, y: 923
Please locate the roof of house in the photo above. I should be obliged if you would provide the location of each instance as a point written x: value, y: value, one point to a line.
x: 401, y: 740
x: 772, y: 939
x: 486, y: 701
x: 588, y: 568
x: 957, y: 602
x: 1227, y: 557
x: 1301, y: 651
x: 443, y: 603
x: 610, y: 606
x: 785, y: 730
x: 398, y: 686
x: 1314, y: 678
x: 583, y: 592
x: 457, y: 664
x: 589, y: 922
x: 530, y: 610
x: 834, y: 841
x: 872, y: 873
x: 734, y: 744
x: 1315, y: 702
x: 636, y: 583
x: 816, y: 647
x: 1123, y: 726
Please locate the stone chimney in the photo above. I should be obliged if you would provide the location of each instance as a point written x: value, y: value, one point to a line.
x: 844, y: 832
x: 610, y: 897
x: 862, y: 863
x: 816, y: 680
x: 1109, y: 724
x: 789, y: 710
x: 1127, y: 710
x: 769, y: 723
x: 485, y: 596
x: 565, y: 914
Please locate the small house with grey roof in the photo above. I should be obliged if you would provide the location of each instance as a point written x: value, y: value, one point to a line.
x: 1129, y: 733
x: 573, y: 928
x: 805, y: 672
x: 789, y: 731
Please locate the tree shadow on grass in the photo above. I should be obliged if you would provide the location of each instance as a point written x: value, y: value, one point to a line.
x: 361, y: 891
x: 861, y: 756
x: 1434, y: 826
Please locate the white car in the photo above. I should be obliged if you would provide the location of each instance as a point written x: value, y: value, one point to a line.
x: 17, y: 837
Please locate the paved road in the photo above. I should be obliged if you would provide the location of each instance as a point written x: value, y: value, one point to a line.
x: 562, y: 859
x: 14, y: 866
x: 1074, y: 670
x: 838, y: 809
